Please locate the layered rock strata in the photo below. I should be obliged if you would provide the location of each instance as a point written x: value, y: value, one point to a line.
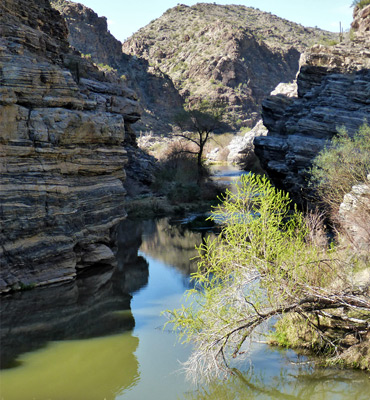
x: 333, y: 92
x: 62, y: 160
x: 89, y: 34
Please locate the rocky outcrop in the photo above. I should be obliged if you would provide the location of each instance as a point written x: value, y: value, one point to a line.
x: 354, y: 214
x: 361, y: 20
x: 333, y: 92
x: 88, y: 33
x: 62, y: 160
x: 241, y: 149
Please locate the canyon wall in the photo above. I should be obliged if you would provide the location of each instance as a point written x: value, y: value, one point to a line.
x: 333, y: 93
x: 233, y: 54
x: 89, y: 34
x: 61, y: 150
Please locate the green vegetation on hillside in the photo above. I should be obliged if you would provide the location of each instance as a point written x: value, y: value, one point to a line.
x: 232, y: 53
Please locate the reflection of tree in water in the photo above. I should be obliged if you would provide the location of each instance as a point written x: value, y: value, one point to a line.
x: 174, y: 244
x: 304, y: 383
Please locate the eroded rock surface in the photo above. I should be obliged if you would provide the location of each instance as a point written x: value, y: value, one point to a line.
x: 89, y: 34
x: 354, y: 214
x: 333, y: 92
x: 61, y: 159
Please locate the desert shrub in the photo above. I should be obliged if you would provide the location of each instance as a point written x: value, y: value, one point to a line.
x: 341, y: 165
x: 184, y: 192
x: 360, y: 3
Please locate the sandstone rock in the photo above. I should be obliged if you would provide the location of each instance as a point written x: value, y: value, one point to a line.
x: 61, y: 157
x: 96, y: 254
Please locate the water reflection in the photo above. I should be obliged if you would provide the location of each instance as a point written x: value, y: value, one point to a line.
x: 83, y: 309
x: 101, y: 336
x: 287, y: 382
x: 172, y: 243
x: 94, y: 369
x: 92, y: 338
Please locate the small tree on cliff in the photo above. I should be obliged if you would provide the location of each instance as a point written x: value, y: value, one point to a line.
x: 196, y: 124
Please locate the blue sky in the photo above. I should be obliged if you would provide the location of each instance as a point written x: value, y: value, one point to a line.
x: 125, y: 17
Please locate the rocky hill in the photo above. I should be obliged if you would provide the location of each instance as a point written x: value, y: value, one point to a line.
x: 62, y: 159
x: 230, y: 53
x: 333, y: 92
x: 89, y: 34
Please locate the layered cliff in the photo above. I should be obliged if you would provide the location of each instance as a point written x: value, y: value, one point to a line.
x: 89, y: 34
x: 333, y: 92
x: 62, y: 160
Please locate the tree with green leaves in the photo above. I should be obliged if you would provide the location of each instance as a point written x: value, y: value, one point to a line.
x: 196, y: 124
x: 262, y: 266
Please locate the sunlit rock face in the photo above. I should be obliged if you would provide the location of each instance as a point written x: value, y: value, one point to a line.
x: 354, y: 214
x: 333, y: 92
x: 61, y: 156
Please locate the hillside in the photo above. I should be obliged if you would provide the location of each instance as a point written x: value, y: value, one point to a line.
x: 231, y: 53
x: 89, y: 34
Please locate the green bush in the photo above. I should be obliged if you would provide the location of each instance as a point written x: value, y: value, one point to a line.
x: 360, y: 3
x: 341, y: 165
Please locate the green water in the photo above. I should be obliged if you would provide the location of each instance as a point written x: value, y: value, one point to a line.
x: 102, y: 336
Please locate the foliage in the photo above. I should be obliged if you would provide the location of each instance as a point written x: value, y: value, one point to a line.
x: 196, y: 123
x: 177, y: 176
x: 360, y: 3
x: 343, y: 164
x: 105, y: 67
x: 261, y: 266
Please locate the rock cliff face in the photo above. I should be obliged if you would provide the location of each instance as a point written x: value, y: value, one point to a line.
x: 88, y: 33
x: 354, y: 214
x: 333, y: 92
x: 61, y: 160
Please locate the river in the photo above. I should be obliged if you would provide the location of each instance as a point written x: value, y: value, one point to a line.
x: 103, y: 337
